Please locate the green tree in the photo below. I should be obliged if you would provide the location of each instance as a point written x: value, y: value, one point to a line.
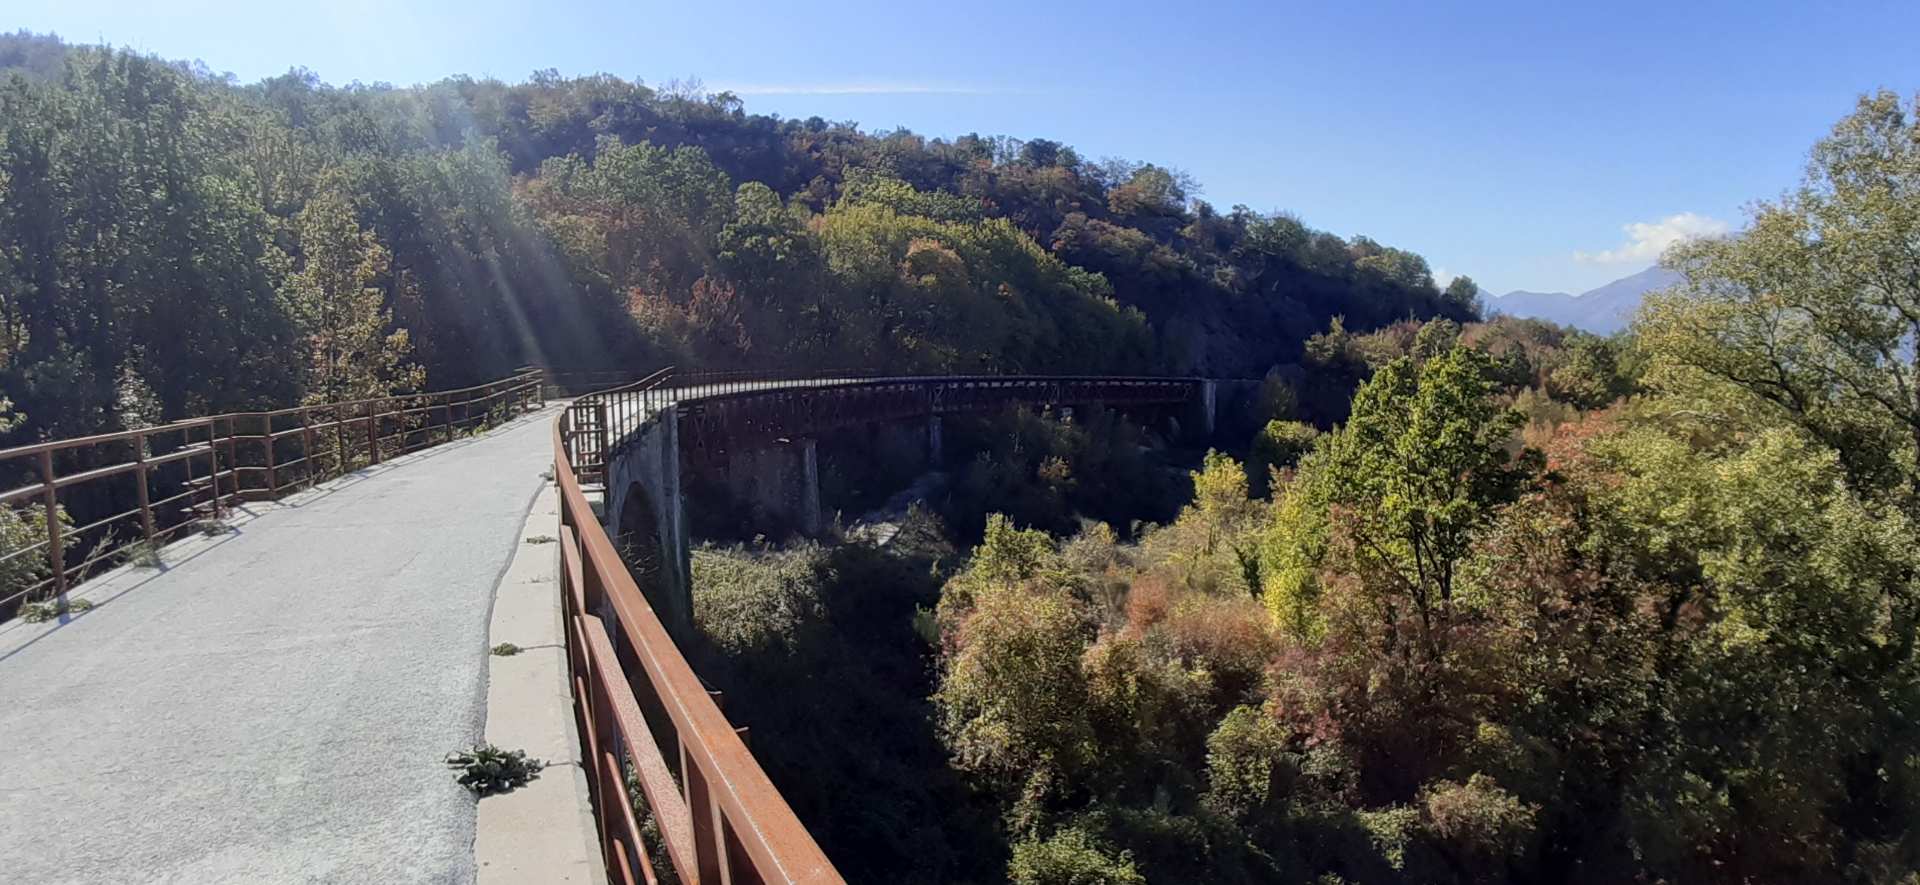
x: 352, y: 353
x: 1414, y: 476
x: 1592, y: 376
x: 1814, y: 310
x: 1463, y: 294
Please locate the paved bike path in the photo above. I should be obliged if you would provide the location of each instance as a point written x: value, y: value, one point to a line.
x: 273, y: 705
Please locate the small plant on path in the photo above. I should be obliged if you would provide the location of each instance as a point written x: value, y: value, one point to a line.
x: 40, y: 612
x: 506, y: 649
x: 486, y: 769
x: 141, y: 554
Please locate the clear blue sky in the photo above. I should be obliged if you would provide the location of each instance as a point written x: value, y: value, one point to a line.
x: 1514, y: 142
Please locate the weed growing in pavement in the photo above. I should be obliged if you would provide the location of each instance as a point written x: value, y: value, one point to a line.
x: 38, y: 612
x: 210, y: 527
x: 141, y: 554
x: 486, y: 769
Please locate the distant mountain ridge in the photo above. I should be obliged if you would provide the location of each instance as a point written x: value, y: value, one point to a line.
x: 1602, y: 311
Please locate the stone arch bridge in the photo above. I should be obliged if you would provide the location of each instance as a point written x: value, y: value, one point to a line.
x: 760, y: 436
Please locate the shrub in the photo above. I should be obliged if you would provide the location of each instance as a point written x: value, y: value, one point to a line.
x: 1070, y: 857
x: 1227, y: 636
x: 751, y: 603
x: 1245, y: 756
x: 1478, y: 820
x: 1149, y: 600
x: 1277, y: 446
x: 21, y: 528
x: 1012, y: 698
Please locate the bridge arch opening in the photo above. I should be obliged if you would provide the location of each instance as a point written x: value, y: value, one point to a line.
x: 637, y: 536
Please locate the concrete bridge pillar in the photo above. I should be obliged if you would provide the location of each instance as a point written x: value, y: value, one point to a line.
x: 809, y: 491
x: 935, y: 444
x: 1204, y: 409
x: 645, y: 514
x: 779, y: 482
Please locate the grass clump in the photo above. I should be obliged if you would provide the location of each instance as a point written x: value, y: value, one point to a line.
x: 542, y: 539
x: 141, y: 554
x: 209, y: 527
x: 506, y: 649
x: 40, y: 612
x: 486, y: 769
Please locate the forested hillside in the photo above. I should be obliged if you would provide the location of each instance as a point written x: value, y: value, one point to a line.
x: 172, y: 243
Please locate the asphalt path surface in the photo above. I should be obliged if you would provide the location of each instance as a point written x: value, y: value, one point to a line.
x: 274, y: 704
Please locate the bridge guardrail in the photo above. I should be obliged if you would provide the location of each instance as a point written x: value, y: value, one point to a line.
x: 597, y: 421
x: 187, y: 470
x: 722, y: 820
x: 600, y: 420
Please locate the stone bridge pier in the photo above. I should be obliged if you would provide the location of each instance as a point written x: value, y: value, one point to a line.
x: 645, y: 514
x: 779, y: 483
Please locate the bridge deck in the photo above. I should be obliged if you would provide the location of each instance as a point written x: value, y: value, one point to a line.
x: 274, y: 704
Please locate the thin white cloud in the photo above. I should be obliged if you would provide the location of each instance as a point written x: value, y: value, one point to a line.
x: 1647, y: 240
x: 856, y: 88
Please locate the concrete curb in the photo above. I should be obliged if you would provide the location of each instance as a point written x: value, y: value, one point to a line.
x: 543, y: 832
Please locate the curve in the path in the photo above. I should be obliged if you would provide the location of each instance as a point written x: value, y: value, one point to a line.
x: 274, y: 705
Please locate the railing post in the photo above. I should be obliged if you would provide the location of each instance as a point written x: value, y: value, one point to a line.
x: 140, y: 482
x: 306, y: 442
x: 233, y: 451
x: 706, y: 818
x: 273, y: 486
x: 213, y: 464
x: 51, y: 500
x: 603, y: 787
x: 339, y: 441
x: 186, y: 465
x: 606, y: 437
x: 373, y: 434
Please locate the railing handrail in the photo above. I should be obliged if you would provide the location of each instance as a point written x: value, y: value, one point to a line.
x: 724, y: 821
x: 648, y: 383
x: 195, y: 423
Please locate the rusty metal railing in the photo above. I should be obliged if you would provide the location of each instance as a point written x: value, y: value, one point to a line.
x: 749, y: 406
x: 154, y: 483
x: 746, y: 414
x: 595, y: 421
x: 719, y: 818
